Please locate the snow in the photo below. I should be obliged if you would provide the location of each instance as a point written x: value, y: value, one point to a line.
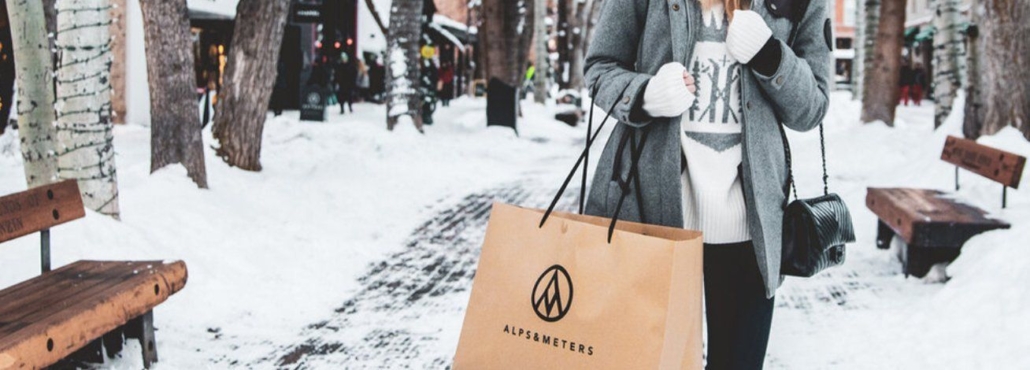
x: 225, y: 8
x: 446, y: 21
x: 450, y: 37
x: 370, y: 37
x: 272, y: 255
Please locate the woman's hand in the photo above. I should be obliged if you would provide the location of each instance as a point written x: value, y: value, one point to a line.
x: 746, y: 36
x: 670, y: 92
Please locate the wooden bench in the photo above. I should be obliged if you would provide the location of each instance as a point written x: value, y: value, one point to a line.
x: 77, y: 310
x: 934, y: 226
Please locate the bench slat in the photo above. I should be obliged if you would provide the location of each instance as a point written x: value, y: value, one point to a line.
x: 926, y: 218
x: 68, y: 326
x: 998, y: 165
x: 51, y: 288
x: 64, y: 289
x: 39, y: 208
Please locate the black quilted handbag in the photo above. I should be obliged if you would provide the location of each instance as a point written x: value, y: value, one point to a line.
x: 814, y: 230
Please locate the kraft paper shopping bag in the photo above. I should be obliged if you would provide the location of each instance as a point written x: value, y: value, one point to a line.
x: 561, y: 296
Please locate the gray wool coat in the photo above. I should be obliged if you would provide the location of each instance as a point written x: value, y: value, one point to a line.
x: 633, y: 39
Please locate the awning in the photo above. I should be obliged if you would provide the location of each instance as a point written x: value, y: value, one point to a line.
x: 435, y: 29
x: 926, y: 34
x: 911, y: 32
x: 457, y: 29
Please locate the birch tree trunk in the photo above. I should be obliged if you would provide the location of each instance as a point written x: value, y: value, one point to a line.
x: 1004, y: 66
x: 249, y: 77
x: 867, y: 46
x: 174, y: 130
x: 540, y: 38
x: 402, y: 63
x: 34, y: 73
x: 883, y: 74
x: 946, y: 58
x: 85, y: 142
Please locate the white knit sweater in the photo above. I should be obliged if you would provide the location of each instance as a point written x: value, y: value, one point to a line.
x: 713, y: 198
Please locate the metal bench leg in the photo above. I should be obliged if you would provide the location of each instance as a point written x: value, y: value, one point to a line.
x: 91, y: 353
x: 142, y: 328
x: 114, y: 342
x: 147, y: 340
x: 884, y: 235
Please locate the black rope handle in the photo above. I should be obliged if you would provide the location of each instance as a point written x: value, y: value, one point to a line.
x: 633, y: 176
x: 582, y: 158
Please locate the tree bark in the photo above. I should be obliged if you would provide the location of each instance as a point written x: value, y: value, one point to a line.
x: 33, y: 63
x: 881, y: 89
x: 249, y: 77
x: 402, y: 63
x: 119, y: 107
x: 947, y: 47
x: 1003, y: 70
x: 866, y: 45
x: 577, y: 42
x: 175, y: 135
x: 541, y: 38
x: 503, y: 40
x: 86, y: 149
x: 563, y: 68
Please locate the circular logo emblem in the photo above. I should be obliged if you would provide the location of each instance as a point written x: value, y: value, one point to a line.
x: 314, y: 98
x: 552, y: 294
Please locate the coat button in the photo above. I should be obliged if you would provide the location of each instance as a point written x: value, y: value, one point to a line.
x: 779, y: 80
x: 748, y: 105
x: 625, y: 100
x: 675, y: 7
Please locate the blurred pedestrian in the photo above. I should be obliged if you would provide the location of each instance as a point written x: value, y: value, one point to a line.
x: 377, y: 80
x: 905, y: 82
x: 346, y: 80
x: 918, y: 84
x: 363, y: 81
x: 447, y: 83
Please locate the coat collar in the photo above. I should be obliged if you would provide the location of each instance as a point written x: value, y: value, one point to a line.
x: 684, y: 23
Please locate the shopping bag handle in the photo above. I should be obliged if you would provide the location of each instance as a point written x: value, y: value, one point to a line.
x: 582, y: 158
x: 636, y: 150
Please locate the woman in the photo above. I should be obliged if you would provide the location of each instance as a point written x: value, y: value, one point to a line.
x: 705, y: 85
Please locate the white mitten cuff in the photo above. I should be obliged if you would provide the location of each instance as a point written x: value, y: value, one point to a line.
x: 746, y: 35
x: 666, y: 94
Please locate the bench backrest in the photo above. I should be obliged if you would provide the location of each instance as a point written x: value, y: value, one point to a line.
x: 995, y: 164
x: 39, y: 208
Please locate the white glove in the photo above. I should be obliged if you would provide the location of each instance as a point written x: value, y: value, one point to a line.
x: 667, y: 93
x: 746, y: 36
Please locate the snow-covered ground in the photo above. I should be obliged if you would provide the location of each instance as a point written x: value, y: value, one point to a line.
x: 354, y: 247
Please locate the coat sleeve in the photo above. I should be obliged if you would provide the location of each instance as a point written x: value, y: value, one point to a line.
x: 609, y: 68
x: 798, y: 90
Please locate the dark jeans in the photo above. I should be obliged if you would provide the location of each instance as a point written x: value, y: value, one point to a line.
x: 738, y: 314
